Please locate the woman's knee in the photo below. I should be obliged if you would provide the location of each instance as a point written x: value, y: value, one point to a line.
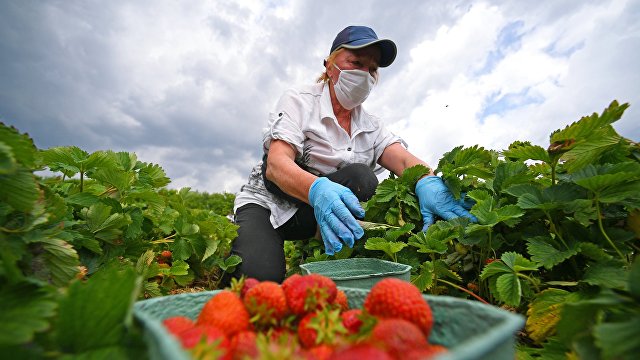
x: 359, y: 178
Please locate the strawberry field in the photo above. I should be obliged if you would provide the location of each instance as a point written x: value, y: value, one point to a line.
x: 556, y: 240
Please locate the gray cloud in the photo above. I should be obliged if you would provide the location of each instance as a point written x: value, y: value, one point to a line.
x: 189, y: 84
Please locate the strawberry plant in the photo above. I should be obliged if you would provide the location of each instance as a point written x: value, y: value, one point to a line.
x: 556, y: 239
x: 105, y: 209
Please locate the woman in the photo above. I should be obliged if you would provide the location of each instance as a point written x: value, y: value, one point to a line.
x: 321, y: 148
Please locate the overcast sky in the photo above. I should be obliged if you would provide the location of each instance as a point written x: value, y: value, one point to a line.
x: 189, y: 84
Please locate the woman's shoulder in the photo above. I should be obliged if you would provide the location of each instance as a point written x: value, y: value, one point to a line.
x: 302, y: 95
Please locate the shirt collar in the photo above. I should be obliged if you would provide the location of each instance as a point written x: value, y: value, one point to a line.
x: 360, y: 120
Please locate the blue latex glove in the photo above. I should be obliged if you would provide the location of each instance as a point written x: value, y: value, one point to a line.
x: 436, y: 199
x: 334, y: 207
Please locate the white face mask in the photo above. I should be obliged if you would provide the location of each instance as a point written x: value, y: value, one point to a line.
x: 353, y: 87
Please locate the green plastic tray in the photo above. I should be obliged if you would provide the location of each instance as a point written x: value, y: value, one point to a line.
x: 470, y: 329
x: 360, y: 273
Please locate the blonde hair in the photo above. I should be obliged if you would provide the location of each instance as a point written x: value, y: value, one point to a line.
x: 329, y: 62
x: 324, y: 78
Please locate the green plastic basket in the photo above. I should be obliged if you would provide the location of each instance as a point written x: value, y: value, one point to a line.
x: 470, y: 329
x: 360, y: 273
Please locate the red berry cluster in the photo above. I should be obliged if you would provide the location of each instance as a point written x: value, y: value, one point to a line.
x: 308, y: 317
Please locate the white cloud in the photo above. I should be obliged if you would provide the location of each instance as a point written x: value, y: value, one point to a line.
x: 189, y: 85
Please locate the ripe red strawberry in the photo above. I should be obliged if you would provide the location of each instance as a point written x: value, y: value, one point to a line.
x: 290, y: 280
x: 177, y: 324
x: 247, y: 285
x: 321, y: 327
x: 397, y: 336
x: 319, y: 352
x: 266, y: 303
x: 191, y: 337
x: 427, y: 352
x: 226, y: 311
x: 360, y: 351
x: 351, y: 320
x: 166, y: 254
x: 308, y: 293
x: 392, y: 297
x: 341, y: 300
x: 243, y: 345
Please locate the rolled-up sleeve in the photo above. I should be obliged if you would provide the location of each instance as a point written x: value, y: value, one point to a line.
x: 385, y: 138
x: 285, y: 122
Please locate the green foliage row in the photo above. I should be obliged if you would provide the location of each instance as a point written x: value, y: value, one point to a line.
x: 77, y: 250
x: 556, y: 240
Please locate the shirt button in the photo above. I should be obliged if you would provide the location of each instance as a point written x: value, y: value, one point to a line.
x: 348, y: 149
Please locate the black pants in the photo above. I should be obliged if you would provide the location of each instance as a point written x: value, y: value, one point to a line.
x: 261, y: 247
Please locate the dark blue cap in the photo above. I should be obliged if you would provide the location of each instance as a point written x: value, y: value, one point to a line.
x: 357, y: 37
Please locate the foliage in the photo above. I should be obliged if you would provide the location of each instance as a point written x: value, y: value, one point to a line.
x: 557, y: 234
x: 107, y: 209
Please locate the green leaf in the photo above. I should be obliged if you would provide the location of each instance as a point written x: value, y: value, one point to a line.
x: 410, y: 176
x: 229, y: 263
x: 26, y: 310
x: 153, y: 175
x: 67, y: 159
x: 518, y: 262
x: 427, y: 244
x: 544, y: 252
x: 8, y: 163
x: 179, y: 267
x: 611, y: 275
x: 61, y: 259
x: 20, y: 146
x: 116, y: 287
x: 388, y: 247
x: 594, y: 252
x: 441, y: 269
x: 527, y: 152
x: 425, y: 278
x: 119, y: 179
x: 509, y: 289
x: 544, y: 313
x: 385, y: 191
x: 20, y: 190
x: 591, y: 149
x: 511, y: 173
x: 494, y: 268
x: 83, y: 199
x: 634, y: 279
x: 181, y: 248
x: 619, y: 340
x: 587, y: 125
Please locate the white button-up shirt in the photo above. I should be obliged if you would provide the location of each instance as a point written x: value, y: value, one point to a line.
x: 304, y: 118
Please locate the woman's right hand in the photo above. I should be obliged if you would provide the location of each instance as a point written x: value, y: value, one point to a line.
x: 334, y: 208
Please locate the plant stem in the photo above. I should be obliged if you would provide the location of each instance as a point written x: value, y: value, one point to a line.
x: 463, y: 289
x: 624, y: 259
x: 530, y: 280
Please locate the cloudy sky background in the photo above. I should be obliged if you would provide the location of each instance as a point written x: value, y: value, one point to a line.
x: 189, y: 84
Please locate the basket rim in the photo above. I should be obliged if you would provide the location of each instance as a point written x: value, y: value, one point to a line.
x: 402, y: 268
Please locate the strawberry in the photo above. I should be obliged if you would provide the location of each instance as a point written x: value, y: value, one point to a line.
x: 166, y: 254
x: 290, y: 280
x: 308, y: 293
x: 321, y: 327
x: 426, y: 352
x: 266, y: 303
x: 177, y: 324
x: 243, y: 345
x: 226, y: 311
x: 351, y: 320
x: 397, y: 336
x: 392, y: 297
x: 341, y: 300
x: 191, y: 337
x: 248, y: 284
x: 319, y: 352
x: 359, y: 352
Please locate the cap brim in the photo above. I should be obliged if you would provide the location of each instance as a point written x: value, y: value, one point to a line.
x: 387, y: 47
